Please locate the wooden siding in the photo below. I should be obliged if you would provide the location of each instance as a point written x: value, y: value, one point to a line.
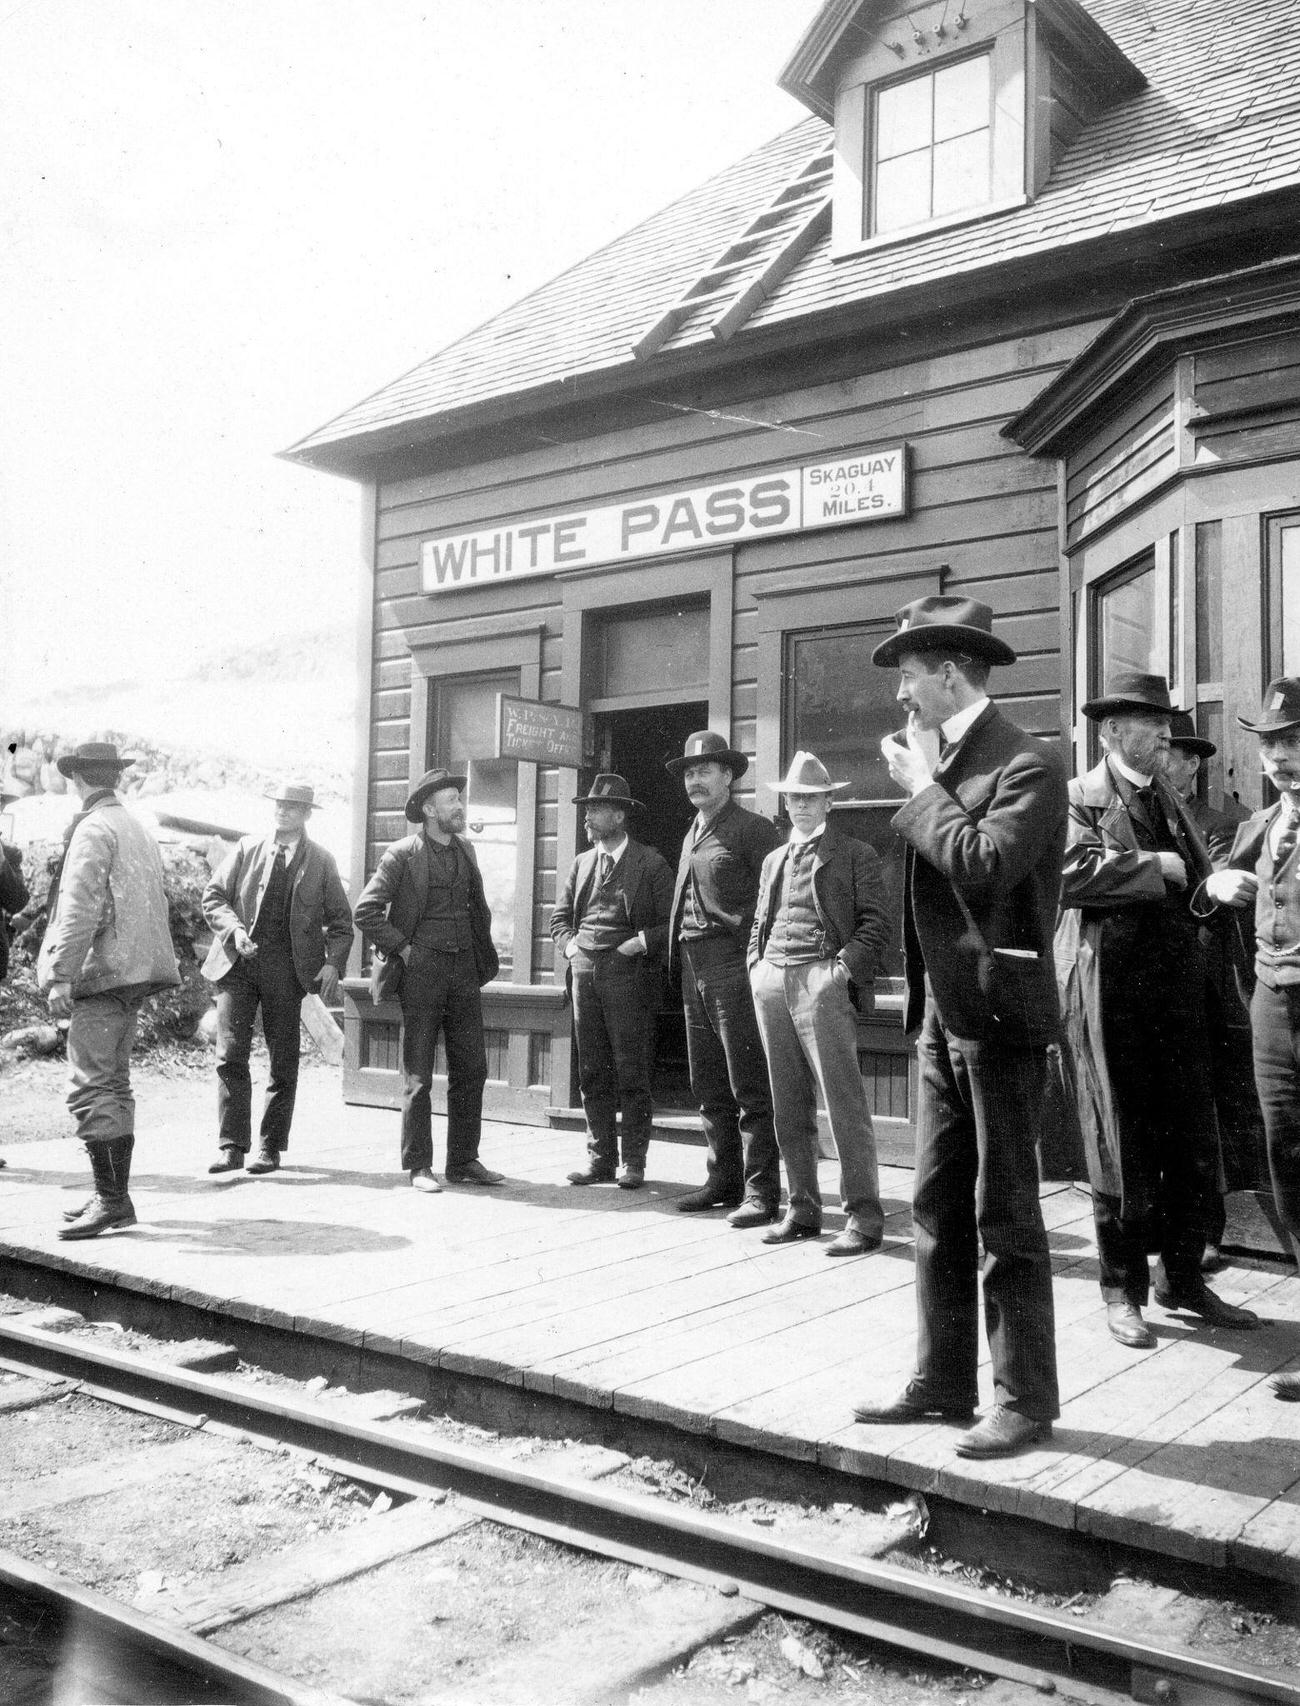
x: 1123, y: 461
x: 978, y: 505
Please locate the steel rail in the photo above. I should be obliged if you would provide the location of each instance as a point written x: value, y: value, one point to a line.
x: 900, y: 1608
x: 114, y: 1647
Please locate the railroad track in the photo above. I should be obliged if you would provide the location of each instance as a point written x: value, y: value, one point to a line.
x: 919, y: 1615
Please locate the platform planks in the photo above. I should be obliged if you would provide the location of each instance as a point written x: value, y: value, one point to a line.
x: 613, y: 1300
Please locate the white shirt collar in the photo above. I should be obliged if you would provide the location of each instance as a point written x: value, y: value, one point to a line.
x: 1126, y: 770
x: 960, y: 723
x: 615, y: 853
x: 290, y: 848
x: 797, y: 840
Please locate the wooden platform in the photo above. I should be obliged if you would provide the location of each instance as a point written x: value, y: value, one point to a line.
x: 612, y: 1299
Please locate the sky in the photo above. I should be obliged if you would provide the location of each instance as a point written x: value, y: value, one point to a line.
x: 224, y: 221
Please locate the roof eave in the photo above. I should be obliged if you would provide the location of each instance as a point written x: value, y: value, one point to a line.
x: 801, y: 75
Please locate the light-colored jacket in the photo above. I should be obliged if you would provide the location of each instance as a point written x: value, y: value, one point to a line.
x: 109, y: 929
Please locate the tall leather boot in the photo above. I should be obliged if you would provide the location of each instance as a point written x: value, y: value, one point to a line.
x: 76, y: 1213
x: 110, y: 1164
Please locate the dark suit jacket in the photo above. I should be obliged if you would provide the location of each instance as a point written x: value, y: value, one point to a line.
x: 728, y: 886
x: 320, y: 919
x: 13, y: 896
x: 981, y: 878
x: 849, y: 894
x: 647, y: 889
x: 392, y: 905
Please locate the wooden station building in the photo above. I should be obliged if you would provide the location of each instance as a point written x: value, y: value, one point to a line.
x: 1014, y: 313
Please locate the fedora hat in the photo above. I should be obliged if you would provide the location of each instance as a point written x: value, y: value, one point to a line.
x: 1280, y: 709
x: 807, y: 775
x: 92, y: 752
x: 944, y: 624
x: 705, y: 748
x: 428, y: 784
x: 607, y: 790
x: 1130, y: 690
x: 292, y: 794
x: 1182, y: 733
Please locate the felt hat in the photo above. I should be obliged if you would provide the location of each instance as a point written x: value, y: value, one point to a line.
x: 944, y: 624
x: 607, y: 790
x: 293, y: 793
x: 428, y: 784
x: 704, y: 748
x: 807, y: 775
x: 1280, y: 709
x: 1182, y: 734
x: 1131, y: 690
x: 92, y: 752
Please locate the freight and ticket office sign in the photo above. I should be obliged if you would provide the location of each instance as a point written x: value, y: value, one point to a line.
x: 867, y: 485
x: 540, y: 734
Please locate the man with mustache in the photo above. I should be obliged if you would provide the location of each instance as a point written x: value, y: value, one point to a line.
x: 1133, y: 985
x: 1262, y: 869
x: 708, y: 934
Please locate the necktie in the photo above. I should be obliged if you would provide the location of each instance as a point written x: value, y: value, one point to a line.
x: 606, y: 868
x: 1286, y: 841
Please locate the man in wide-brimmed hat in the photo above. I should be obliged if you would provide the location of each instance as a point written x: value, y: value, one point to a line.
x: 708, y: 936
x: 107, y: 947
x: 281, y: 925
x: 427, y: 915
x: 1133, y: 974
x: 1263, y: 870
x: 984, y: 824
x: 814, y: 952
x: 610, y: 929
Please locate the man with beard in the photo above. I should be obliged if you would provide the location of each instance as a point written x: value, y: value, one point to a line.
x: 1133, y: 972
x: 712, y: 912
x: 610, y: 929
x: 425, y: 911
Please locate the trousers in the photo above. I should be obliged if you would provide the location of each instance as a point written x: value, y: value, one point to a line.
x: 810, y: 1032
x: 440, y: 993
x: 101, y: 1033
x: 270, y: 982
x: 615, y: 1030
x: 1275, y: 1024
x: 729, y: 1070
x: 977, y: 1184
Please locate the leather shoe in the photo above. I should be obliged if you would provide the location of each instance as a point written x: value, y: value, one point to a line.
x: 422, y: 1179
x: 753, y: 1212
x: 1286, y: 1387
x: 695, y: 1202
x: 853, y: 1241
x: 231, y: 1161
x: 630, y: 1177
x: 1125, y: 1325
x: 789, y: 1231
x: 593, y: 1176
x: 1213, y: 1260
x: 268, y: 1161
x: 1198, y: 1299
x: 912, y: 1404
x: 473, y: 1173
x: 1002, y: 1433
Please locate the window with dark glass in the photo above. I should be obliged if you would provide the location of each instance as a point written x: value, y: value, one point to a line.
x: 462, y: 738
x: 931, y: 146
x: 1284, y: 594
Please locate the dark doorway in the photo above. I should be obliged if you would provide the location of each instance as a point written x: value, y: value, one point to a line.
x: 634, y: 744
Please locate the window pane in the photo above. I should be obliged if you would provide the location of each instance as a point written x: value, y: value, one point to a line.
x: 654, y: 649
x: 902, y: 192
x: 903, y: 118
x: 1134, y: 629
x: 961, y: 173
x: 1209, y: 601
x: 961, y: 98
x: 1289, y: 576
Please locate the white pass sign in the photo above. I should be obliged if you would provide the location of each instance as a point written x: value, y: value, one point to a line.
x: 866, y: 485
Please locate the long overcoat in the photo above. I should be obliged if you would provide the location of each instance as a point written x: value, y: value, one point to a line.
x: 1106, y: 877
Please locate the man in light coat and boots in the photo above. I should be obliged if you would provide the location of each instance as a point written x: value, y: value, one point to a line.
x: 984, y: 824
x: 107, y: 947
x: 610, y: 929
x: 427, y: 915
x: 281, y: 924
x: 1132, y: 974
x: 708, y: 936
x: 814, y: 951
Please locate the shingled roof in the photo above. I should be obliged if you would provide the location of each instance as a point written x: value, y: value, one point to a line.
x: 1219, y: 122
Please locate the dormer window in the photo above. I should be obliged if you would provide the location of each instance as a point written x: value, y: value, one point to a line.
x: 931, y: 146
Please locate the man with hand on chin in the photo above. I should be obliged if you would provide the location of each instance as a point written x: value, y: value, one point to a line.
x: 426, y: 913
x: 610, y: 929
x: 984, y: 824
x: 281, y: 924
x: 1133, y: 983
x: 1262, y: 869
